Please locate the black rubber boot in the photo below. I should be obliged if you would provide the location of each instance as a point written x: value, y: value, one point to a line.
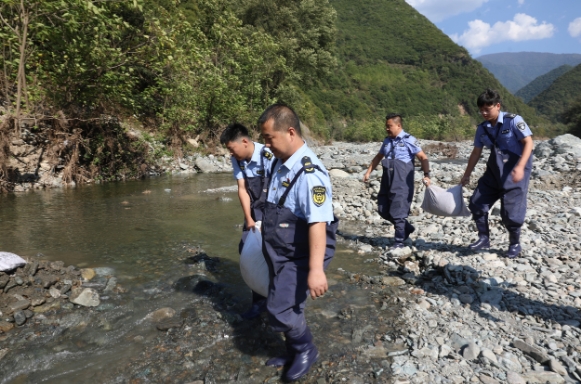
x: 409, y: 229
x: 400, y: 233
x: 306, y: 354
x: 280, y: 361
x: 483, y: 241
x: 258, y: 306
x: 514, y: 249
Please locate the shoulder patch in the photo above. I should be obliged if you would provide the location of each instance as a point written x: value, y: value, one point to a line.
x: 307, y: 163
x: 510, y: 115
x: 521, y: 126
x: 319, y: 195
x: 267, y: 154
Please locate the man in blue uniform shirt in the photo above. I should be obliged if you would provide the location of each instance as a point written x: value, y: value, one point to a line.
x: 251, y: 162
x: 508, y: 171
x: 397, y: 182
x: 298, y: 235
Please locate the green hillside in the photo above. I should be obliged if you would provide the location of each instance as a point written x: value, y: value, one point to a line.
x: 560, y: 96
x: 538, y: 85
x: 393, y: 59
x: 516, y: 69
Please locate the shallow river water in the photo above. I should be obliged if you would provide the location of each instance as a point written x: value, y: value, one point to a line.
x: 145, y: 231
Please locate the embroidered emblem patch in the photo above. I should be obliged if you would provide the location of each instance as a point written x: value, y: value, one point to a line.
x: 319, y: 195
x: 521, y: 126
x: 268, y: 155
x: 283, y: 225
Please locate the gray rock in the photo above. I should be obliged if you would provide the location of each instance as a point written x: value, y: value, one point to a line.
x: 457, y: 342
x: 557, y: 367
x: 338, y: 173
x: 541, y: 377
x: 19, y: 317
x: 536, y: 353
x: 205, y: 165
x: 19, y: 305
x: 87, y: 297
x: 514, y: 378
x: 471, y: 351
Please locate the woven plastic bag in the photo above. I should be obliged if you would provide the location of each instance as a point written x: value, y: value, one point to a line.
x: 445, y: 202
x: 10, y: 261
x: 253, y: 266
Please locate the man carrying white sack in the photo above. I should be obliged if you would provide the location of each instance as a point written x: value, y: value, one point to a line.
x: 397, y: 182
x: 251, y: 162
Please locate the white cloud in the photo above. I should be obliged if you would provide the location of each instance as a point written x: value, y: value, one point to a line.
x: 522, y: 27
x: 575, y: 27
x: 521, y: 2
x: 438, y: 10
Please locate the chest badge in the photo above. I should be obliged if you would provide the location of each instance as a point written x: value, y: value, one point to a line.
x: 285, y: 183
x: 505, y: 131
x: 260, y: 172
x: 283, y: 225
x: 401, y: 144
x: 319, y: 195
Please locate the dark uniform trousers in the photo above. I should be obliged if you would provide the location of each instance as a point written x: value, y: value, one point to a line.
x: 395, y: 194
x: 496, y: 183
x: 286, y: 244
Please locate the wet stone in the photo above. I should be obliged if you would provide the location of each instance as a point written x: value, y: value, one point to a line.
x: 170, y: 323
x: 19, y: 317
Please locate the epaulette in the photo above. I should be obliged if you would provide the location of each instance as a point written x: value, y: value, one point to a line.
x: 510, y: 115
x: 266, y: 153
x: 307, y: 163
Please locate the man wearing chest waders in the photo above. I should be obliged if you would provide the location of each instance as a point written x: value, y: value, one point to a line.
x: 507, y: 174
x: 251, y: 162
x: 397, y: 182
x: 298, y: 231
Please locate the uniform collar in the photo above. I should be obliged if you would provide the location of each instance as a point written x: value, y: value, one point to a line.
x: 256, y: 154
x: 291, y: 161
x: 399, y: 137
x: 500, y: 120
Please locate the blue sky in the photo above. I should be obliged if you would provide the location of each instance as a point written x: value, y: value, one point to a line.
x: 492, y: 26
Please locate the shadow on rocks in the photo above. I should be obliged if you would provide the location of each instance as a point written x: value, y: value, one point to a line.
x: 221, y: 295
x: 464, y: 285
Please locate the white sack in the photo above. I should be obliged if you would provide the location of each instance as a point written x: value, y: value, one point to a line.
x: 445, y: 202
x: 253, y: 266
x: 9, y: 261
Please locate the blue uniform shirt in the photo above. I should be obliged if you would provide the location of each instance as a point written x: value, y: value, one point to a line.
x: 310, y: 198
x: 258, y: 163
x: 403, y: 145
x: 508, y: 132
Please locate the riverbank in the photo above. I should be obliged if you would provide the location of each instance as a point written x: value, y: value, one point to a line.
x: 432, y: 313
x: 481, y: 317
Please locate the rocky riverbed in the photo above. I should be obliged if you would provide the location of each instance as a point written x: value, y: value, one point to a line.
x: 432, y: 313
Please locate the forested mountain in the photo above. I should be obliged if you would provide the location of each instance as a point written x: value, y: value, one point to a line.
x: 538, y: 85
x: 77, y: 75
x: 516, y: 69
x: 556, y: 101
x: 393, y: 59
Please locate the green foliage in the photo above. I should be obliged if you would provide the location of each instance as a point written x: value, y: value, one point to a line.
x: 572, y: 117
x: 392, y: 59
x: 559, y: 97
x: 541, y: 83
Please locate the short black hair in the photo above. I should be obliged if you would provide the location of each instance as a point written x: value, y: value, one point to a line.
x: 488, y: 97
x: 397, y: 118
x: 233, y: 132
x: 283, y: 116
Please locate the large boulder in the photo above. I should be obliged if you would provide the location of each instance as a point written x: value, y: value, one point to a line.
x: 205, y: 165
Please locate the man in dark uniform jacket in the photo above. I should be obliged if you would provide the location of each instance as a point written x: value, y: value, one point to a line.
x: 396, y: 155
x: 298, y: 235
x: 251, y: 162
x: 507, y: 175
